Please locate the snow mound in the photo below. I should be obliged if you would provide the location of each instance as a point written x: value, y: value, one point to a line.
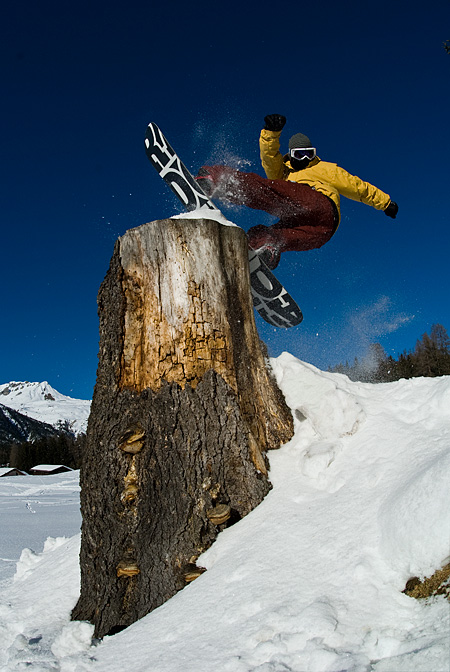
x: 35, y: 610
x: 320, y: 398
x: 423, y: 497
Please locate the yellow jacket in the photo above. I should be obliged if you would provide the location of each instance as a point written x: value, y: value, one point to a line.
x: 327, y: 178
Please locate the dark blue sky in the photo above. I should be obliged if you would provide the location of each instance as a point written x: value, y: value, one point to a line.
x: 368, y: 83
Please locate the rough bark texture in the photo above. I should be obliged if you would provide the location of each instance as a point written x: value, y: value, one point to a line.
x: 184, y: 409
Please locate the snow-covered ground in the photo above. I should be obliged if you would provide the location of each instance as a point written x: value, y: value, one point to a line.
x: 42, y: 402
x: 310, y: 581
x: 33, y: 508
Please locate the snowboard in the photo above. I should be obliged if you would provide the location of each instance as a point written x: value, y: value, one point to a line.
x: 270, y: 298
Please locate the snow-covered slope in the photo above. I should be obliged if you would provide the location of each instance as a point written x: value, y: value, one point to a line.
x: 42, y: 402
x: 310, y: 581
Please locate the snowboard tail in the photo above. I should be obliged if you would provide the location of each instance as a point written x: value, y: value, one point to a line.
x: 270, y: 299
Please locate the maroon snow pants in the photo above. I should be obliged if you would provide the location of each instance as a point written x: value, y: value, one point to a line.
x: 307, y: 218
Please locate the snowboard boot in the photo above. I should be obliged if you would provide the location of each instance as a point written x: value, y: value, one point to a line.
x: 205, y: 181
x: 263, y: 240
x: 216, y: 181
x: 270, y: 254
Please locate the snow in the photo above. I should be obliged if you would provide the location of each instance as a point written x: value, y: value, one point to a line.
x: 8, y: 470
x: 33, y: 508
x: 41, y: 401
x: 205, y: 213
x: 50, y: 467
x: 310, y: 581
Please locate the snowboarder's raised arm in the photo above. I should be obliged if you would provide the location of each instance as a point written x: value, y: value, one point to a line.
x: 269, y: 145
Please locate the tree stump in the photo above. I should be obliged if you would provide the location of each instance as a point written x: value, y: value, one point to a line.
x: 184, y: 409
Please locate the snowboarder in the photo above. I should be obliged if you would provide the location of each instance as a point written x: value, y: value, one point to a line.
x: 300, y: 189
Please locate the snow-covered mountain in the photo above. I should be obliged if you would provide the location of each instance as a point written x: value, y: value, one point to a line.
x: 42, y: 402
x: 312, y: 580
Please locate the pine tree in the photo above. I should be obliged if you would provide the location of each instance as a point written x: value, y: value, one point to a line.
x: 404, y: 366
x: 441, y: 342
x: 432, y: 353
x: 61, y: 449
x: 430, y: 357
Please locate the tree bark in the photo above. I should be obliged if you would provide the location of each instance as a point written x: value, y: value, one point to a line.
x: 184, y: 409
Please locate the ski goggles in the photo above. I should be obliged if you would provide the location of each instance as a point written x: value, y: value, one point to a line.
x: 300, y: 153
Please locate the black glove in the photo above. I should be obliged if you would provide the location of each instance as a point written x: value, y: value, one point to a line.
x: 274, y: 122
x: 391, y: 210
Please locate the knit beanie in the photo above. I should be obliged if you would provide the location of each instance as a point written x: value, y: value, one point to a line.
x: 299, y: 141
